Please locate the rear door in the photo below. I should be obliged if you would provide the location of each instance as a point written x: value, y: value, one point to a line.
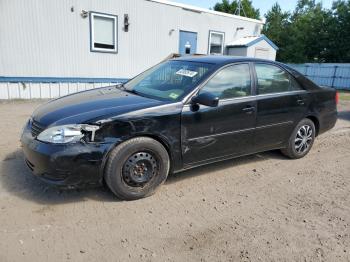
x: 209, y: 133
x: 281, y: 103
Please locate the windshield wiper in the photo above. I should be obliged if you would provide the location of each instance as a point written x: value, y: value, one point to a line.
x: 132, y: 91
x: 121, y: 86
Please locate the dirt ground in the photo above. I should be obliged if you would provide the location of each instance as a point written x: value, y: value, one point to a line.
x: 258, y: 208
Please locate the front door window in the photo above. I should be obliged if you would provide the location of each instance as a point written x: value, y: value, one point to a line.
x: 232, y: 81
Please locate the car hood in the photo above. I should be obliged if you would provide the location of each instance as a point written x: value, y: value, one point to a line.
x: 90, y: 106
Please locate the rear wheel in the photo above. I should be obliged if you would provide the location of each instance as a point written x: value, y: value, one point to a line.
x: 136, y: 168
x: 301, y: 140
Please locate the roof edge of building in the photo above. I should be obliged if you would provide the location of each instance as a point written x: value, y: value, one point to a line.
x: 204, y: 10
x: 258, y: 39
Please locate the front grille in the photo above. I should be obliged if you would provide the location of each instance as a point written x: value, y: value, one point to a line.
x: 36, y: 128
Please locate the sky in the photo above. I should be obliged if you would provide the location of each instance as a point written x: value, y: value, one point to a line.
x: 263, y: 5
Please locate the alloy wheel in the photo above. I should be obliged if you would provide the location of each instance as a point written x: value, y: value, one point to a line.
x: 303, y: 139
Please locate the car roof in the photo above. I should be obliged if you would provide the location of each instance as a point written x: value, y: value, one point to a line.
x: 220, y: 59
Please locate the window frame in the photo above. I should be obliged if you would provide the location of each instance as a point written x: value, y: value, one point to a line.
x: 290, y: 76
x: 223, y: 42
x: 92, y: 15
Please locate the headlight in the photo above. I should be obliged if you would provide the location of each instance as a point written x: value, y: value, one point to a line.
x: 66, y: 133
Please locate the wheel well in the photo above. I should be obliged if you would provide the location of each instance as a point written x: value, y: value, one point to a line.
x: 316, y: 123
x: 158, y: 139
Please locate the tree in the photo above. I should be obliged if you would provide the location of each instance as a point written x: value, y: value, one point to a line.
x: 230, y: 7
x: 302, y: 36
x: 310, y: 22
x: 340, y: 32
x: 310, y: 33
x: 276, y: 28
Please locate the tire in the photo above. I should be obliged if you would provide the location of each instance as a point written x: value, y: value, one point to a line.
x: 300, y: 135
x: 136, y: 168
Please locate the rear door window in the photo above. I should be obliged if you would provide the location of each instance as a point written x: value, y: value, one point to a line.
x: 272, y: 79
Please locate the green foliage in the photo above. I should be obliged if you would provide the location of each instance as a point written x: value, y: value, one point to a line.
x: 230, y: 7
x: 310, y: 33
x: 344, y: 95
x: 340, y: 32
x: 274, y: 28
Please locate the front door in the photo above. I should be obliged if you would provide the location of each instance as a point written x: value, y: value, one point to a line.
x: 187, y: 43
x: 209, y: 133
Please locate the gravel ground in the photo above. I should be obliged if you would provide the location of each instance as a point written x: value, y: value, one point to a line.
x: 258, y: 208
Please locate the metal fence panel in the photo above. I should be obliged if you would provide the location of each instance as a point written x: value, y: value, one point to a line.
x: 47, y: 90
x: 327, y: 74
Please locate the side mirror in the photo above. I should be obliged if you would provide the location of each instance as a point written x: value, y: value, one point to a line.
x: 206, y: 99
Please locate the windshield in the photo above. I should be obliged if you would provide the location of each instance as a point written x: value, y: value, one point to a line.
x: 170, y: 81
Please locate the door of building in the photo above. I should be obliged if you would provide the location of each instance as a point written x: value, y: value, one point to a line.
x: 187, y: 43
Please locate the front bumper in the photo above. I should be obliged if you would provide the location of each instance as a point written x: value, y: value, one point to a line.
x: 69, y: 165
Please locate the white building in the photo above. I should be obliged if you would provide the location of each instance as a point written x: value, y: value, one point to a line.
x: 50, y: 48
x: 253, y: 46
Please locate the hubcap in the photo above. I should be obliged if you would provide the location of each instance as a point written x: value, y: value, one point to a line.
x: 303, y: 139
x: 139, y: 169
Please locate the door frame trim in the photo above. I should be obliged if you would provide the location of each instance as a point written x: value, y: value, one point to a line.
x: 223, y: 134
x: 242, y: 130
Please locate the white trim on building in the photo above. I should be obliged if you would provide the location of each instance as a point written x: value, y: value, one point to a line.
x: 204, y: 10
x: 103, y: 32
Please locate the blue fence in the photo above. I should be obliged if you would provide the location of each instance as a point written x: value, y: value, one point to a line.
x: 332, y: 75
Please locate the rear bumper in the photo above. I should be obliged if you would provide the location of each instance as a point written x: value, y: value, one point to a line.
x: 69, y: 165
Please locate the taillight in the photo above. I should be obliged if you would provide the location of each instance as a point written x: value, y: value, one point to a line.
x: 336, y: 97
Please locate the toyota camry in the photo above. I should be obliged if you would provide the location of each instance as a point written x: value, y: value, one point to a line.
x: 177, y: 115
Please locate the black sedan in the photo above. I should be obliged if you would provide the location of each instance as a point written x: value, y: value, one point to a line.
x: 177, y: 115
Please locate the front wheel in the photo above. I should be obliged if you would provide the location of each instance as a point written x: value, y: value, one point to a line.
x: 301, y: 140
x: 136, y: 168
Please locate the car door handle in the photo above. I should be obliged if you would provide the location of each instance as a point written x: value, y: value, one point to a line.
x: 249, y: 109
x: 300, y: 102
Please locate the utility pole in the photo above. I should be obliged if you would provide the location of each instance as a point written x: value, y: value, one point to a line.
x: 239, y: 8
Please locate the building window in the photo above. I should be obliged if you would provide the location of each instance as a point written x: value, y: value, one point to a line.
x: 216, y: 43
x: 103, y: 32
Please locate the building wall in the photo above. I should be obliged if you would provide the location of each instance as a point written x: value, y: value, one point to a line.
x: 237, y: 51
x: 263, y: 46
x: 47, y: 39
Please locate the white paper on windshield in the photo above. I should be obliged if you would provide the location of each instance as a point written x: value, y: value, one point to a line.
x: 188, y: 73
